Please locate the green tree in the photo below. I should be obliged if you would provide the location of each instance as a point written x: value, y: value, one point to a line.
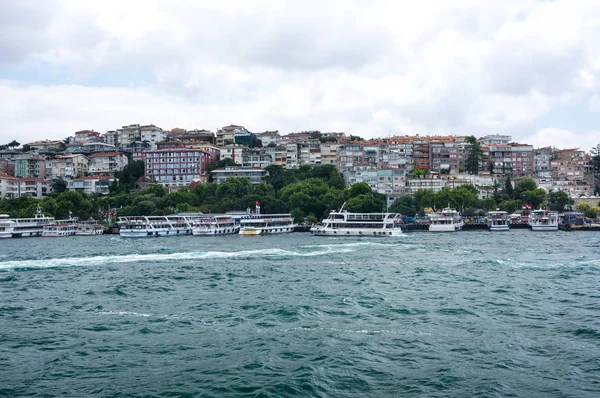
x: 559, y: 201
x: 360, y: 188
x: 474, y: 155
x: 509, y: 191
x: 405, y: 205
x: 59, y: 185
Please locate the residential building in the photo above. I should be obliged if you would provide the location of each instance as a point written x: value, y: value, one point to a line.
x: 227, y: 135
x: 522, y: 160
x: 128, y: 135
x: 150, y: 135
x: 13, y: 187
x: 254, y: 174
x: 233, y: 152
x: 292, y: 156
x: 391, y: 182
x: 309, y: 153
x: 349, y: 155
x: 85, y: 136
x: 495, y: 139
x: 541, y: 161
x: 111, y: 137
x: 256, y: 158
x: 443, y: 155
x: 66, y: 166
x: 269, y: 137
x: 361, y: 173
x: 91, y: 184
x: 107, y: 162
x: 329, y: 152
x: 175, y: 167
x: 7, y: 167
x: 45, y: 145
x: 421, y: 153
x: 30, y: 164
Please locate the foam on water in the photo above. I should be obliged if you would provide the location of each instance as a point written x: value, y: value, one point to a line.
x: 164, y: 257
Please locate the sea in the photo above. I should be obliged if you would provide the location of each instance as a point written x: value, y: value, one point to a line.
x: 466, y: 314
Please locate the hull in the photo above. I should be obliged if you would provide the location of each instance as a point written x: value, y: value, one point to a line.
x: 499, y: 228
x: 355, y: 232
x: 153, y: 232
x: 215, y: 231
x: 28, y: 232
x: 90, y: 233
x: 445, y: 227
x: 544, y: 227
x: 252, y: 231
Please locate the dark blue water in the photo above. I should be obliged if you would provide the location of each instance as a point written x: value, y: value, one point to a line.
x: 465, y: 314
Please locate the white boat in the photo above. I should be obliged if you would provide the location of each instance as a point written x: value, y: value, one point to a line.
x: 498, y: 221
x: 154, y: 226
x: 88, y: 228
x: 23, y: 227
x: 59, y: 228
x: 208, y: 224
x: 543, y: 220
x: 447, y: 220
x: 266, y: 224
x: 343, y: 223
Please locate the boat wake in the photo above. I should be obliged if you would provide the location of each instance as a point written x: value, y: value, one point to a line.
x: 165, y: 257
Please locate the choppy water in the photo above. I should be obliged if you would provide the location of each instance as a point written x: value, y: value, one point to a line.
x: 465, y: 314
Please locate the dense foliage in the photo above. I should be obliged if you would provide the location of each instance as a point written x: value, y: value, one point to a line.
x: 305, y: 192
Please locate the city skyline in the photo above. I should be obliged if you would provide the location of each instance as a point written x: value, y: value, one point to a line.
x: 528, y: 69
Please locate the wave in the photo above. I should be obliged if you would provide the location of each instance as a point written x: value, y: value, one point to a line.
x: 162, y: 257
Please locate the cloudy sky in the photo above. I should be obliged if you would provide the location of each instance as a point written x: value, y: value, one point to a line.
x: 370, y: 68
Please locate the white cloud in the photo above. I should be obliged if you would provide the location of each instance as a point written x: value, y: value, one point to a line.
x: 466, y: 67
x: 564, y: 139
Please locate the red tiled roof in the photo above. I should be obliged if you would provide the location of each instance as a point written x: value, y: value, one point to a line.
x: 84, y: 178
x: 103, y: 154
x: 2, y: 175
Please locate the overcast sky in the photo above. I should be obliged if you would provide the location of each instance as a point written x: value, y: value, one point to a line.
x: 370, y: 68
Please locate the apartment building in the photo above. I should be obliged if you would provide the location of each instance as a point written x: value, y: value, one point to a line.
x: 227, y: 135
x: 391, y: 182
x: 150, y: 135
x: 269, y: 137
x: 107, y: 163
x: 541, y: 161
x: 30, y: 165
x: 91, y: 184
x: 254, y: 174
x: 175, y: 167
x: 66, y: 166
x: 444, y: 155
x: 13, y: 187
x: 329, y: 152
x: 256, y: 158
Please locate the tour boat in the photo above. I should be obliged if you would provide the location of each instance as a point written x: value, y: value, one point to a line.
x: 59, y: 228
x: 543, y: 220
x: 343, y: 223
x: 498, y: 221
x: 208, y: 224
x: 154, y: 226
x: 266, y: 224
x: 88, y: 228
x: 23, y: 227
x: 447, y: 220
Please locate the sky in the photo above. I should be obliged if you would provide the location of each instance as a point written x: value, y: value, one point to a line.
x: 373, y: 68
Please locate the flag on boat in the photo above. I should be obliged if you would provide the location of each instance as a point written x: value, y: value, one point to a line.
x: 257, y: 203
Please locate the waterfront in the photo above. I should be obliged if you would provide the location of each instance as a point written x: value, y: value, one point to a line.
x: 470, y: 313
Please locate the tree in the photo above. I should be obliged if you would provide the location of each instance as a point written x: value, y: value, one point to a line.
x: 595, y: 152
x: 360, y: 188
x: 404, y: 205
x: 474, y: 155
x: 583, y: 206
x: 526, y: 184
x: 13, y: 144
x: 592, y: 212
x: 26, y: 148
x: 509, y: 192
x: 559, y: 200
x: 59, y: 185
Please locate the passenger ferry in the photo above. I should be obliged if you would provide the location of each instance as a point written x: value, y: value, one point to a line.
x: 543, y: 220
x: 60, y: 228
x: 88, y: 228
x: 266, y: 224
x: 154, y: 226
x: 214, y: 225
x: 498, y: 221
x: 447, y: 220
x: 343, y: 223
x: 23, y: 227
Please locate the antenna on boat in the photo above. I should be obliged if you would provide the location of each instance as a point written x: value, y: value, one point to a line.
x: 342, y: 208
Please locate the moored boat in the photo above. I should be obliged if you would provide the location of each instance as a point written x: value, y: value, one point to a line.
x: 88, y: 228
x: 498, y: 221
x: 266, y: 224
x: 58, y: 228
x: 208, y: 224
x: 154, y: 226
x: 447, y: 220
x: 23, y: 227
x: 344, y: 223
x: 543, y: 220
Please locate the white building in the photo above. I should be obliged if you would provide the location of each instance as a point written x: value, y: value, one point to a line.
x: 13, y: 187
x: 91, y: 184
x: 150, y: 135
x: 107, y: 162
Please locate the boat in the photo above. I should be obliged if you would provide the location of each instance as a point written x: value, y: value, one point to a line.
x: 88, y: 228
x: 498, y: 221
x: 59, y: 228
x: 154, y: 226
x: 23, y: 227
x: 344, y: 223
x: 208, y: 224
x: 447, y: 220
x: 266, y: 224
x: 543, y: 220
